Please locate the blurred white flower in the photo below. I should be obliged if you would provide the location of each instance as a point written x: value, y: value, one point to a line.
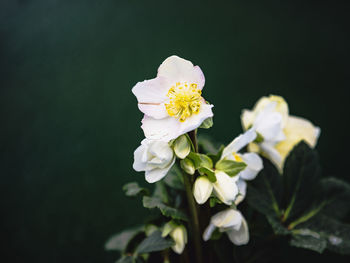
x: 155, y: 158
x: 277, y: 132
x: 179, y: 235
x: 232, y: 223
x: 172, y: 102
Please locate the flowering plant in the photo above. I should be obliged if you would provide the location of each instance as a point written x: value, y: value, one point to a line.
x: 229, y: 203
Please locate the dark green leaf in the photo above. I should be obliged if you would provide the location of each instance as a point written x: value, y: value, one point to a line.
x: 174, y: 178
x: 120, y: 241
x: 154, y: 242
x: 301, y: 175
x: 133, y: 189
x: 153, y: 202
x: 161, y: 192
x: 308, y: 239
x: 126, y: 259
x: 277, y: 226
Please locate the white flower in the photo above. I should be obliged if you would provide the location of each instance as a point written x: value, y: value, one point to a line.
x: 172, y: 102
x: 279, y: 131
x: 232, y: 223
x: 179, y: 235
x: 252, y: 160
x: 155, y: 158
x: 225, y: 187
x: 202, y: 189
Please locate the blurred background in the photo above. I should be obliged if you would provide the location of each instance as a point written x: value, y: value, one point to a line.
x: 70, y: 124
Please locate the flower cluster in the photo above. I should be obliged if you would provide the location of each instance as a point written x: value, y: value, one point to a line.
x: 173, y: 107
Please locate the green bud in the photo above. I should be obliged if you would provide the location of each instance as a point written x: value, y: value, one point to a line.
x: 207, y: 123
x: 188, y: 166
x: 182, y: 147
x: 259, y: 138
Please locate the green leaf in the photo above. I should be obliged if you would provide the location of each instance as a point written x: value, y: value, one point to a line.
x: 174, y: 178
x: 207, y: 123
x: 277, y: 226
x: 213, y: 201
x: 209, y: 172
x: 133, y: 189
x: 126, y: 259
x: 200, y: 160
x: 168, y: 227
x: 154, y: 242
x: 308, y: 239
x: 231, y: 168
x: 153, y: 202
x: 265, y: 192
x: 216, y: 157
x: 161, y: 192
x: 301, y: 175
x: 120, y: 241
x: 337, y: 197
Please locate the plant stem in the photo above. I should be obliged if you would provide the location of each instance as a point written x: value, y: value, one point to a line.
x: 193, y: 206
x: 194, y: 219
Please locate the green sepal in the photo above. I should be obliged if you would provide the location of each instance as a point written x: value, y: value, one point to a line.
x: 230, y: 167
x: 209, y: 172
x: 200, y: 160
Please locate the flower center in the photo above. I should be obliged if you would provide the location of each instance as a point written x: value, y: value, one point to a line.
x: 184, y: 100
x: 237, y: 157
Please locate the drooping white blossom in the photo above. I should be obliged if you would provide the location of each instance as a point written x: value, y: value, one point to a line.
x: 278, y: 132
x: 172, y: 102
x: 179, y: 235
x: 155, y: 158
x: 231, y: 222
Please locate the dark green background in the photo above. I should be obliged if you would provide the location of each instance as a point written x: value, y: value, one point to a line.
x: 70, y: 124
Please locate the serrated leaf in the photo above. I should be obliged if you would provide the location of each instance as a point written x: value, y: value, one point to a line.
x: 154, y: 242
x: 120, y: 241
x: 126, y: 259
x: 174, y: 178
x: 207, y: 123
x: 209, y: 172
x: 161, y: 192
x: 230, y: 167
x: 153, y: 202
x: 133, y: 189
x: 301, y: 175
x: 309, y: 240
x: 200, y: 160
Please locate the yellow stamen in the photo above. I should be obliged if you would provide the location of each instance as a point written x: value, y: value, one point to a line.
x: 184, y: 100
x: 237, y: 157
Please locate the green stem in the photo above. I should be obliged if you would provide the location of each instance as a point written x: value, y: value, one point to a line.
x: 193, y: 206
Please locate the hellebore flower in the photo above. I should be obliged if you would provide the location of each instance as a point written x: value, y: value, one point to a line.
x: 172, y: 102
x: 179, y: 235
x: 225, y: 187
x: 232, y: 223
x: 155, y: 158
x: 277, y: 132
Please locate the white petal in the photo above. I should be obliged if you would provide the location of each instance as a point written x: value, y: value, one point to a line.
x: 225, y: 187
x: 272, y: 154
x: 156, y: 111
x: 239, y: 142
x: 157, y: 174
x: 196, y: 120
x: 139, y: 164
x: 240, y: 236
x: 228, y: 218
x: 162, y: 152
x: 164, y: 129
x: 177, y: 69
x: 269, y: 125
x: 179, y: 235
x: 242, y: 188
x: 208, y: 232
x: 254, y: 166
x: 247, y: 119
x: 152, y: 91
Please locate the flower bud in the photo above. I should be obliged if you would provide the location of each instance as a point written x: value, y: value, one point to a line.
x: 182, y: 147
x: 188, y: 166
x: 225, y: 187
x: 179, y: 235
x: 202, y: 189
